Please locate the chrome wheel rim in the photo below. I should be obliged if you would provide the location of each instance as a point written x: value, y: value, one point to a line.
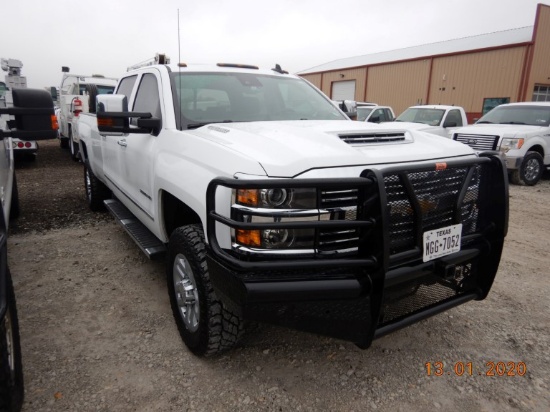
x: 532, y: 169
x: 10, y: 344
x: 186, y: 293
x: 88, y: 185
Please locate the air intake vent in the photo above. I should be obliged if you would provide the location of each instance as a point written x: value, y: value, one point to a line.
x: 378, y: 137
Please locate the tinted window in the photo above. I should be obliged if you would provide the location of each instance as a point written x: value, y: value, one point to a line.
x: 126, y: 85
x: 147, y: 97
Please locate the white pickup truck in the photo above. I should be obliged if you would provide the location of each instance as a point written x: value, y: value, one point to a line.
x: 435, y: 119
x: 269, y: 204
x: 520, y: 131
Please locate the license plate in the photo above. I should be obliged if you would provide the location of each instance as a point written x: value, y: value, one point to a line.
x: 441, y: 242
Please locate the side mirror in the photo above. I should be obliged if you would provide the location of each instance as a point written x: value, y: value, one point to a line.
x: 53, y: 92
x: 113, y: 116
x: 375, y: 119
x: 450, y: 124
x: 34, y: 115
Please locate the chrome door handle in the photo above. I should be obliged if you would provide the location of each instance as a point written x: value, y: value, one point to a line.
x: 122, y: 143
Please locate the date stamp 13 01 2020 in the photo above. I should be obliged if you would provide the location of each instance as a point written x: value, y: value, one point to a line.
x: 490, y: 368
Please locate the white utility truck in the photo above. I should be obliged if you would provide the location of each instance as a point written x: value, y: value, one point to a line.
x: 14, y: 80
x: 269, y: 204
x: 77, y: 94
x: 520, y: 131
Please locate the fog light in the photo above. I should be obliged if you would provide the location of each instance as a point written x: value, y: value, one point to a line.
x: 275, y: 238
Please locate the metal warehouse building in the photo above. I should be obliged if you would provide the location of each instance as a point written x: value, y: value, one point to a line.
x: 477, y: 72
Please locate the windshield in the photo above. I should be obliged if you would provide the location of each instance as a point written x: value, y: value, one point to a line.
x: 363, y: 112
x: 427, y: 116
x: 530, y: 115
x: 101, y: 89
x: 243, y: 97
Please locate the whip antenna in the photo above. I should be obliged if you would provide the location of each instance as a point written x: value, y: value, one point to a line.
x: 179, y: 91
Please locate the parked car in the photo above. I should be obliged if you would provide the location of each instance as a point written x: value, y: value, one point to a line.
x: 520, y: 131
x: 375, y: 114
x: 435, y: 119
x: 77, y: 94
x: 33, y: 117
x: 269, y: 204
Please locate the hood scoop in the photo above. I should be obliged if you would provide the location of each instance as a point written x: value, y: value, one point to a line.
x: 377, y: 137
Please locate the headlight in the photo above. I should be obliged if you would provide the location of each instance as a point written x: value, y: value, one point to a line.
x: 510, y: 143
x: 275, y: 205
x: 277, y: 198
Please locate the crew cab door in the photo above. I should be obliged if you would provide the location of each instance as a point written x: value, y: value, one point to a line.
x: 136, y: 151
x: 111, y: 143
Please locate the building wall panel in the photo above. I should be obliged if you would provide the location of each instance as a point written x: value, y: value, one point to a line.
x: 314, y: 79
x: 540, y: 67
x: 466, y: 79
x: 399, y: 85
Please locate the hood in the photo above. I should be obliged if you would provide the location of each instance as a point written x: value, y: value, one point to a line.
x: 288, y: 148
x: 504, y: 130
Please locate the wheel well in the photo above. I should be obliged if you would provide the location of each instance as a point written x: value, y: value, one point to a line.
x: 84, y: 155
x: 537, y: 148
x: 176, y: 213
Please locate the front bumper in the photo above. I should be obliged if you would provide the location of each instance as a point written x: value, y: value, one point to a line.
x: 513, y: 163
x: 385, y: 285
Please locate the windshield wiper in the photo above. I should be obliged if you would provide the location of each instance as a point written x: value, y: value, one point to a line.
x: 197, y: 125
x: 484, y: 122
x: 512, y: 123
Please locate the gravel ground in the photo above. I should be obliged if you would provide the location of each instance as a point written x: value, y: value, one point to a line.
x: 98, y: 334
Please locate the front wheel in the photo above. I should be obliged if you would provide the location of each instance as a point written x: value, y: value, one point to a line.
x: 11, y: 368
x: 530, y: 170
x: 206, y: 326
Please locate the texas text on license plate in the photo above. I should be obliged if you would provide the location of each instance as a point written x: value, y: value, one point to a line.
x: 441, y: 242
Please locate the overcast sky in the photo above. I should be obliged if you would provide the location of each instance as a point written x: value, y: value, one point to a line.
x: 107, y: 36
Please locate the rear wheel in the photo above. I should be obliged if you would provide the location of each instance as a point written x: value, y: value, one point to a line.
x: 530, y: 170
x: 15, y: 209
x: 96, y: 191
x: 206, y: 326
x: 73, y: 146
x: 11, y: 368
x: 63, y: 142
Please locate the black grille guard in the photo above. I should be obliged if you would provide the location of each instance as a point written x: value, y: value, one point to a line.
x: 368, y: 286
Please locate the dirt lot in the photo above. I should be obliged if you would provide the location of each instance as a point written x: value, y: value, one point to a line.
x: 98, y: 333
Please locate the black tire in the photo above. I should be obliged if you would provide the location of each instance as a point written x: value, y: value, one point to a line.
x: 64, y: 142
x: 73, y: 146
x: 530, y: 170
x: 11, y: 367
x: 15, y: 208
x: 92, y: 97
x: 96, y: 191
x: 206, y: 326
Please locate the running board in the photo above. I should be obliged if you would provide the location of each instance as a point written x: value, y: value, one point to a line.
x: 147, y: 242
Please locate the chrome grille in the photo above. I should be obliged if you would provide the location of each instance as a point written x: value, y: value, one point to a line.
x: 341, y: 205
x: 478, y: 141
